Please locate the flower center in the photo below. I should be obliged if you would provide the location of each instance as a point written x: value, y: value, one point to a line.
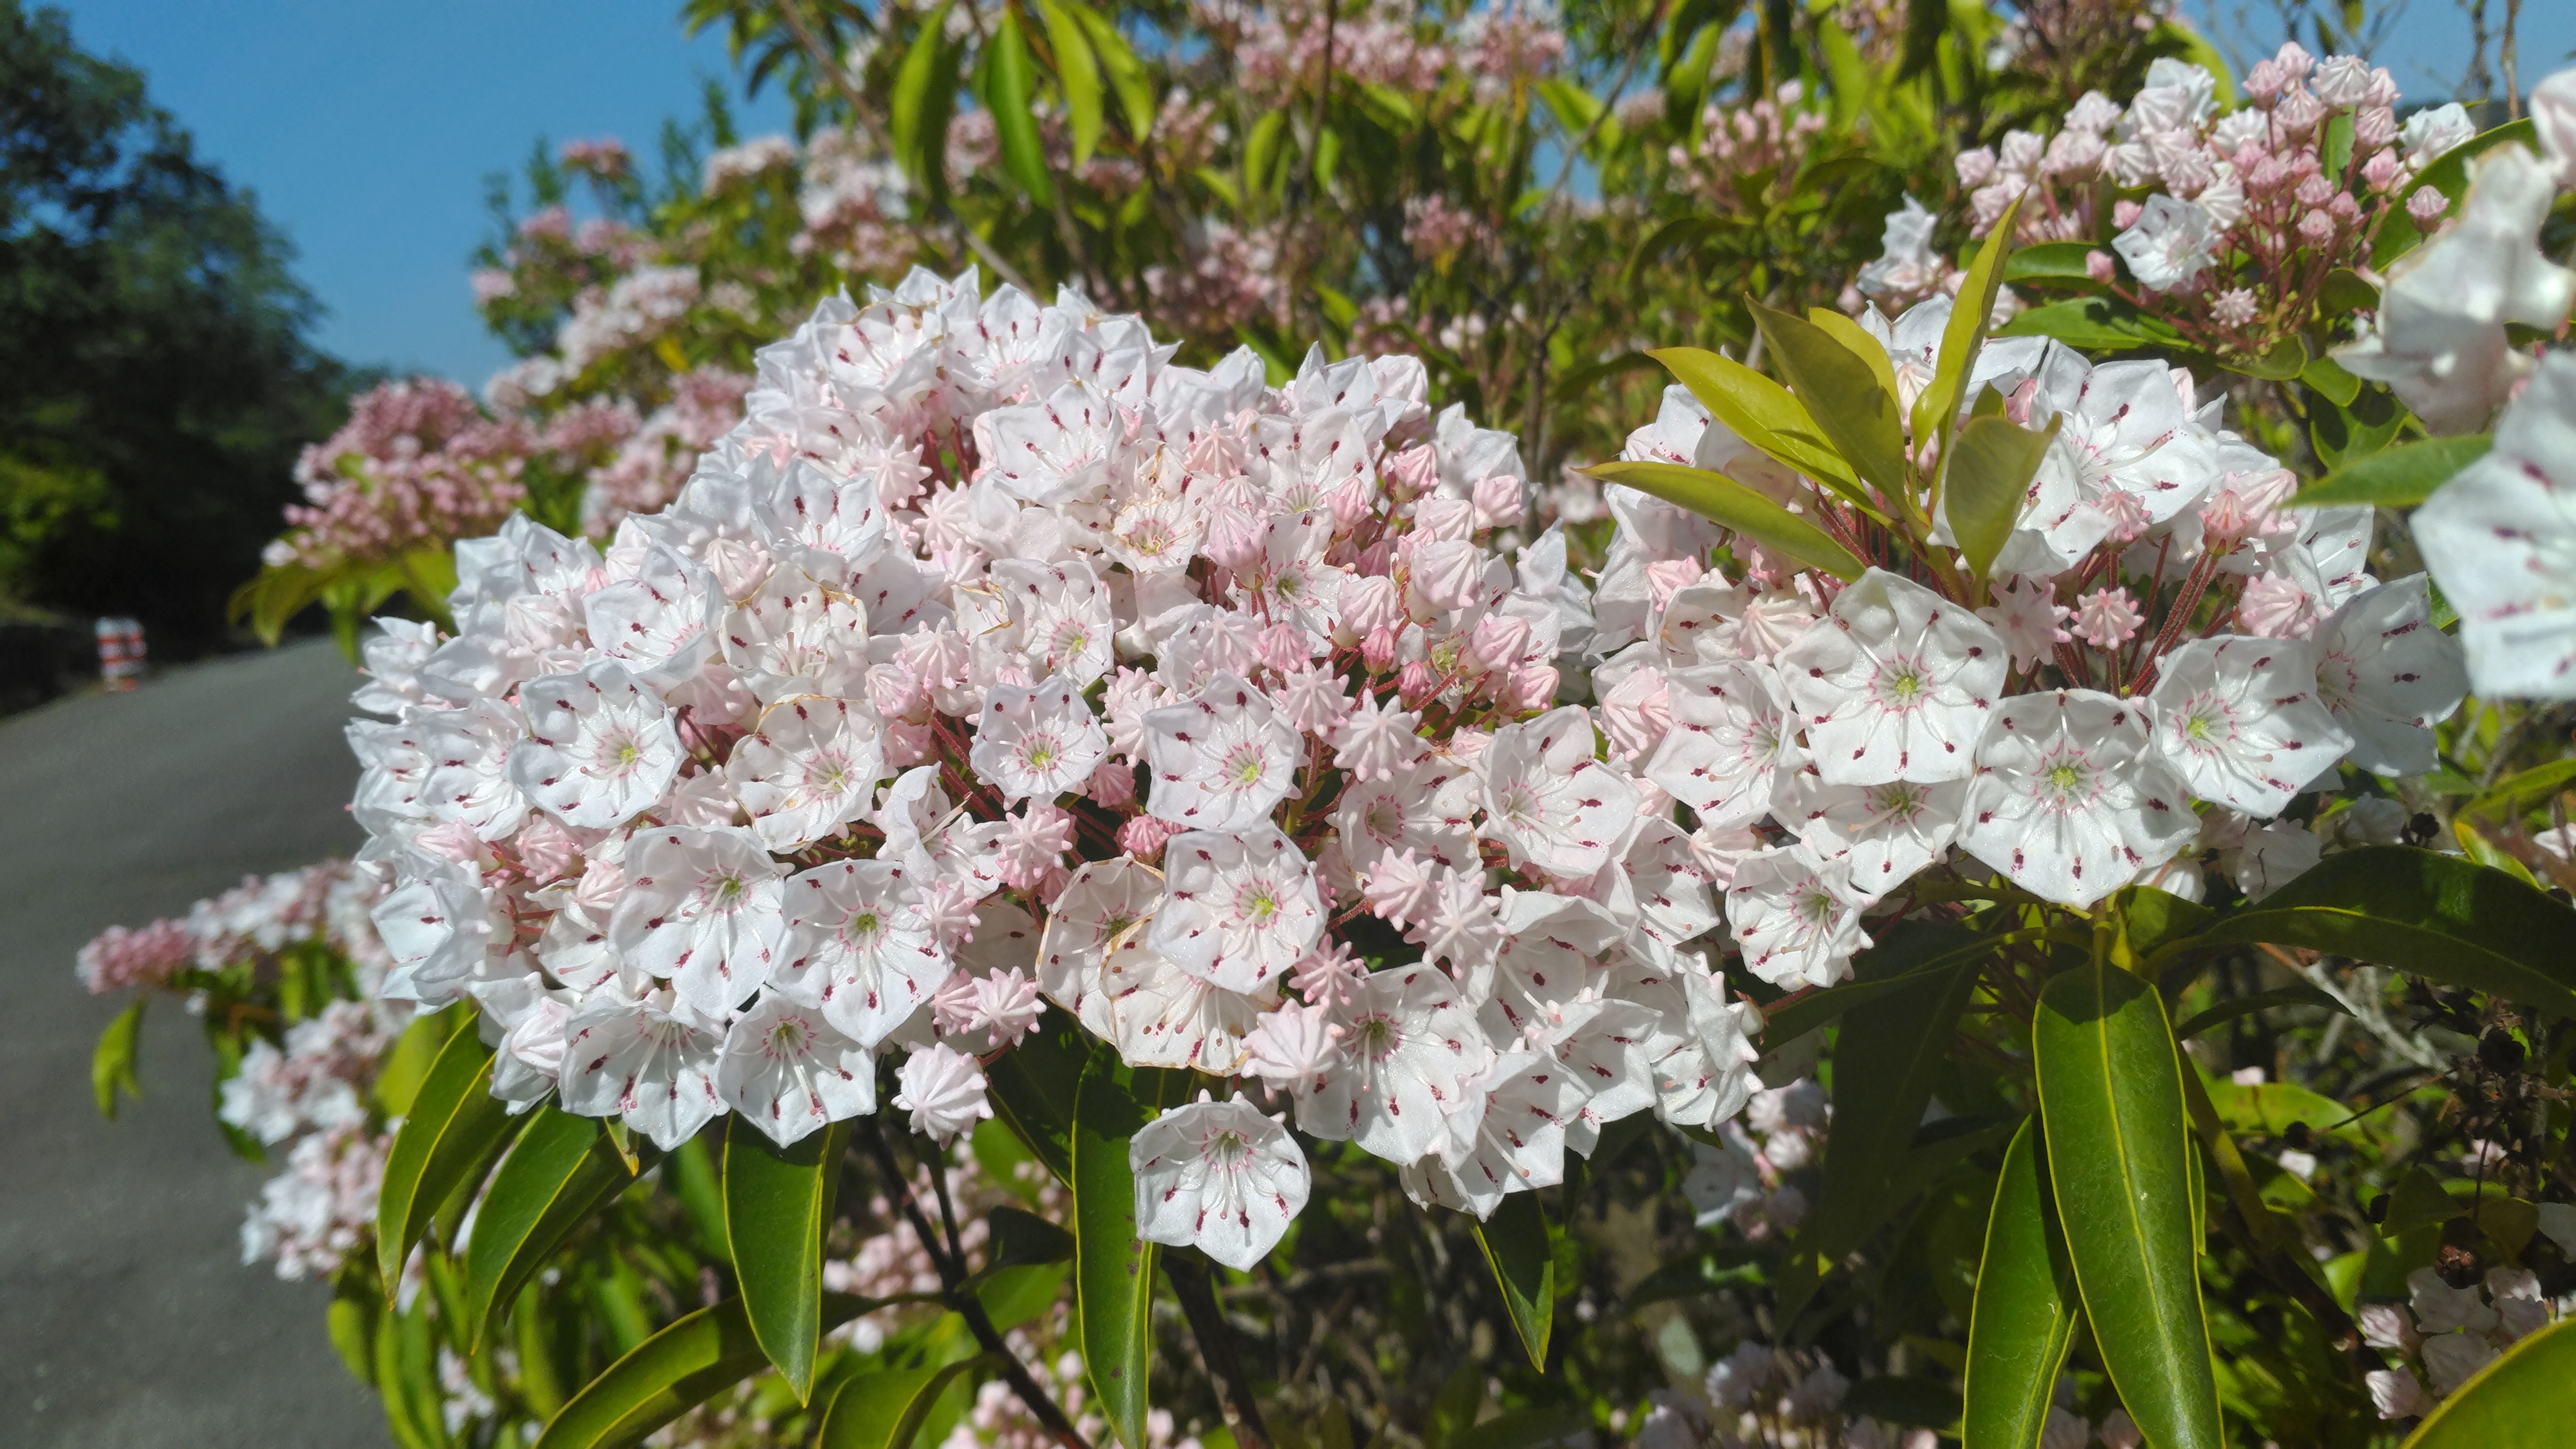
x: 1243, y: 766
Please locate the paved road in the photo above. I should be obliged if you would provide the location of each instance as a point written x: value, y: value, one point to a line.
x: 126, y: 1318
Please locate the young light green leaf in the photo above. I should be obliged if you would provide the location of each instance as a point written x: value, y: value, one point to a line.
x: 454, y: 1121
x: 2526, y: 1397
x: 2057, y: 261
x: 1113, y: 1272
x: 1520, y: 1246
x: 886, y: 1409
x: 1762, y: 413
x: 1078, y: 72
x: 559, y: 1172
x: 2396, y: 477
x: 2120, y: 1166
x: 1859, y: 412
x: 407, y: 1066
x: 672, y: 1372
x: 2523, y: 790
x: 1856, y: 337
x: 1986, y: 482
x: 2434, y: 916
x: 1010, y: 89
x: 1937, y: 410
x: 111, y: 1066
x: 925, y: 88
x: 778, y: 1203
x: 1720, y: 498
x: 1127, y: 74
x: 2026, y: 1308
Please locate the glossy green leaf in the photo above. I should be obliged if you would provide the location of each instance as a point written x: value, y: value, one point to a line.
x: 2059, y: 261
x: 1032, y: 1087
x: 2528, y: 1396
x: 1720, y: 498
x: 1113, y: 1272
x: 1761, y: 412
x: 2346, y: 291
x: 1010, y: 88
x: 1127, y: 74
x: 415, y: 1051
x: 925, y: 88
x: 111, y: 1064
x: 2448, y: 174
x: 2227, y: 1011
x: 886, y: 1409
x: 2093, y: 324
x: 778, y: 1203
x: 1017, y: 1238
x: 1520, y: 1246
x: 1936, y: 411
x: 453, y: 1124
x: 1987, y: 481
x: 672, y: 1372
x: 2397, y: 477
x: 2120, y: 1167
x: 2329, y: 377
x: 2287, y: 359
x: 2434, y: 916
x: 2523, y: 790
x: 1077, y: 70
x: 356, y: 1310
x: 1850, y: 334
x: 1859, y: 414
x: 559, y: 1172
x: 2026, y: 1309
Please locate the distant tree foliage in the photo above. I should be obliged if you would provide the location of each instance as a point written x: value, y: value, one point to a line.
x: 155, y: 377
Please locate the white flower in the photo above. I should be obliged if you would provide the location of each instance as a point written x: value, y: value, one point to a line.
x: 1222, y: 760
x: 2273, y: 856
x: 811, y: 768
x: 2240, y: 720
x: 1896, y: 683
x: 1907, y: 261
x: 1888, y: 831
x: 1552, y: 803
x: 1796, y: 917
x: 394, y: 657
x: 440, y: 927
x: 2171, y: 243
x: 2553, y: 113
x: 858, y: 947
x: 1730, y: 741
x: 1295, y: 1048
x: 648, y: 1065
x: 2452, y: 1359
x: 1064, y: 616
x: 1377, y: 739
x: 1672, y: 890
x: 1051, y: 451
x: 703, y: 909
x: 1162, y: 1016
x: 1037, y: 743
x: 1412, y: 1046
x: 2389, y: 676
x: 1723, y: 1180
x: 1508, y: 1137
x: 2123, y: 428
x: 2027, y: 614
x: 2441, y: 341
x: 2397, y: 1393
x: 1548, y: 951
x: 796, y: 637
x: 943, y: 1089
x: 1218, y: 1176
x: 785, y: 1067
x: 2432, y: 131
x: 2071, y: 799
x: 599, y: 749
x: 468, y: 779
x: 1239, y: 910
x: 1424, y: 808
x: 2501, y: 537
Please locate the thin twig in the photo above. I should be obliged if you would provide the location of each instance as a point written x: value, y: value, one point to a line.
x: 2364, y: 1009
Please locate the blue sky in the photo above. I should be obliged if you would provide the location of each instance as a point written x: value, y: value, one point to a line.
x: 366, y: 126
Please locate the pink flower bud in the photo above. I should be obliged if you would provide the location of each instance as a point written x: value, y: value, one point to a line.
x: 1667, y: 577
x: 1112, y: 786
x: 1283, y: 647
x: 1145, y: 836
x: 2317, y: 227
x: 2263, y: 83
x: 1377, y: 651
x: 1498, y: 641
x: 1533, y: 686
x: 1443, y: 520
x: 1415, y: 683
x: 2374, y: 127
x: 1498, y: 501
x: 2381, y: 169
x: 2427, y: 206
x: 2125, y: 214
x: 2097, y: 265
x: 1637, y: 713
x: 1235, y: 537
x: 1412, y: 473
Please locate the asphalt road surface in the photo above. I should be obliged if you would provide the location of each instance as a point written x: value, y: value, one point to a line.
x: 127, y: 1320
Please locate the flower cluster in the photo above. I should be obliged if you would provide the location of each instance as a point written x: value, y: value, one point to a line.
x: 2159, y: 629
x: 322, y: 905
x: 994, y: 660
x: 1766, y: 1397
x: 1769, y: 136
x: 2450, y: 1333
x: 417, y: 462
x: 1744, y: 1181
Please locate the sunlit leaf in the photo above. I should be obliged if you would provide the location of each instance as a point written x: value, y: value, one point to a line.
x: 2026, y: 1310
x: 1719, y: 498
x: 778, y: 1205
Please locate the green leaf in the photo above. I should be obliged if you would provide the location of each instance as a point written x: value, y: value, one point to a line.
x: 2287, y: 359
x: 672, y: 1372
x: 1127, y: 74
x: 2026, y: 1309
x: 2527, y: 1396
x: 1762, y: 413
x: 1936, y: 411
x: 2327, y: 376
x: 1078, y: 71
x: 559, y: 1172
x: 2435, y: 916
x: 1859, y: 416
x: 2449, y: 175
x: 1856, y: 337
x: 1886, y: 1062
x: 1986, y: 482
x: 1720, y: 498
x: 2347, y: 291
x: 355, y: 1313
x: 111, y: 1066
x: 1010, y: 86
x: 925, y: 93
x: 2227, y: 1011
x: 1017, y: 1238
x: 454, y: 1122
x: 1113, y: 1272
x: 408, y: 1064
x: 778, y: 1202
x: 1520, y: 1246
x: 2120, y: 1165
x: 2050, y: 262
x: 2093, y: 324
x: 2397, y: 477
x: 1032, y: 1088
x: 886, y: 1409
x: 2523, y: 791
